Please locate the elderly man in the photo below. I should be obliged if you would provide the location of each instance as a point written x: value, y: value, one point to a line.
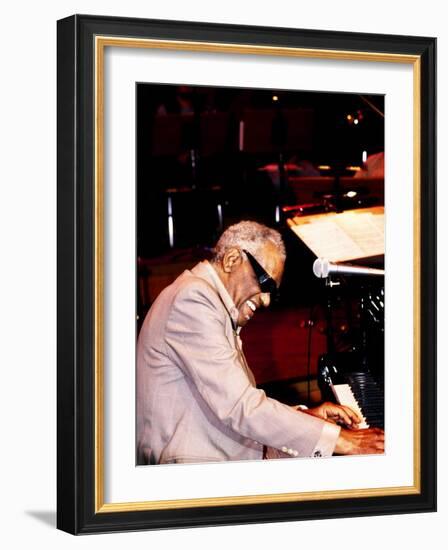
x: 196, y: 395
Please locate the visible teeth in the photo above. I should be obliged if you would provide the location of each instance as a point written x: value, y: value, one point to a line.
x: 252, y: 306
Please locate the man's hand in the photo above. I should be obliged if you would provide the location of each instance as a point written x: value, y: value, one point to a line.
x: 339, y: 414
x: 358, y: 442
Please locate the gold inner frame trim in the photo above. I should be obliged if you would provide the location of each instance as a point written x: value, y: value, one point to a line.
x: 101, y: 42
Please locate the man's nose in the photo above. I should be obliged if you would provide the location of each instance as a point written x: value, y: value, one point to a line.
x: 265, y: 299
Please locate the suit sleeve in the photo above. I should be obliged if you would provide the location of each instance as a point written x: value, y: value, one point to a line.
x: 197, y: 343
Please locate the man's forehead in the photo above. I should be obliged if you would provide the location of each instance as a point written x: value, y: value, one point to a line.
x: 273, y: 261
x: 271, y: 252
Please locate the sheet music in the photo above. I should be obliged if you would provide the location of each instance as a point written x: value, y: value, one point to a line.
x: 343, y: 236
x: 366, y: 229
x: 327, y: 240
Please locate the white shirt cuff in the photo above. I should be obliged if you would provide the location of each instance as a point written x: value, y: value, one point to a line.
x: 327, y: 440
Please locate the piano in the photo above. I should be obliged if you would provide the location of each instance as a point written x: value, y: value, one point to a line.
x: 352, y: 371
x: 355, y: 377
x: 345, y: 378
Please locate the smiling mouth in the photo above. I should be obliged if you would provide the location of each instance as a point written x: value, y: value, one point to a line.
x: 252, y: 307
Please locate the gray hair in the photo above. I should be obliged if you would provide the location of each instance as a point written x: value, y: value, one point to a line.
x: 250, y: 236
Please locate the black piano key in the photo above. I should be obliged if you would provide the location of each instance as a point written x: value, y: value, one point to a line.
x: 369, y: 394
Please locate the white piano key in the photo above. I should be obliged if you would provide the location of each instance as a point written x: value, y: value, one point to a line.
x: 344, y: 396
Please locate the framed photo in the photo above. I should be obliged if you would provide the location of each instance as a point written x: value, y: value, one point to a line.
x: 168, y: 134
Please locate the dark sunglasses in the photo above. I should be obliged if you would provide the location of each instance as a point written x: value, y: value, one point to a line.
x: 265, y: 281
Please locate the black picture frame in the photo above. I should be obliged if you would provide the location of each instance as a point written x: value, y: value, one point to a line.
x: 79, y: 505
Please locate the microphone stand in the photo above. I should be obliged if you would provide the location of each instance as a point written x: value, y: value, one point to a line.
x: 329, y: 284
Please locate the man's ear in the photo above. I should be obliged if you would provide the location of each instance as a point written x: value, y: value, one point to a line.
x: 231, y: 259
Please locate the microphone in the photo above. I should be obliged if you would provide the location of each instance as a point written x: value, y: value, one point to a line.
x: 322, y: 268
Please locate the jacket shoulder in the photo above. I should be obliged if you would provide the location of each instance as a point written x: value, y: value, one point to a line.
x: 190, y: 286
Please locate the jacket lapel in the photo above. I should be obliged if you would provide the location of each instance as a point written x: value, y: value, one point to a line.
x: 205, y: 271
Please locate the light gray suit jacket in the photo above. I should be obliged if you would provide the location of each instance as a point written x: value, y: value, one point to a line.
x: 196, y: 396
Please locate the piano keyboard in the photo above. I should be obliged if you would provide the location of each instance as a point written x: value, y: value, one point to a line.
x: 344, y: 396
x: 362, y: 394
